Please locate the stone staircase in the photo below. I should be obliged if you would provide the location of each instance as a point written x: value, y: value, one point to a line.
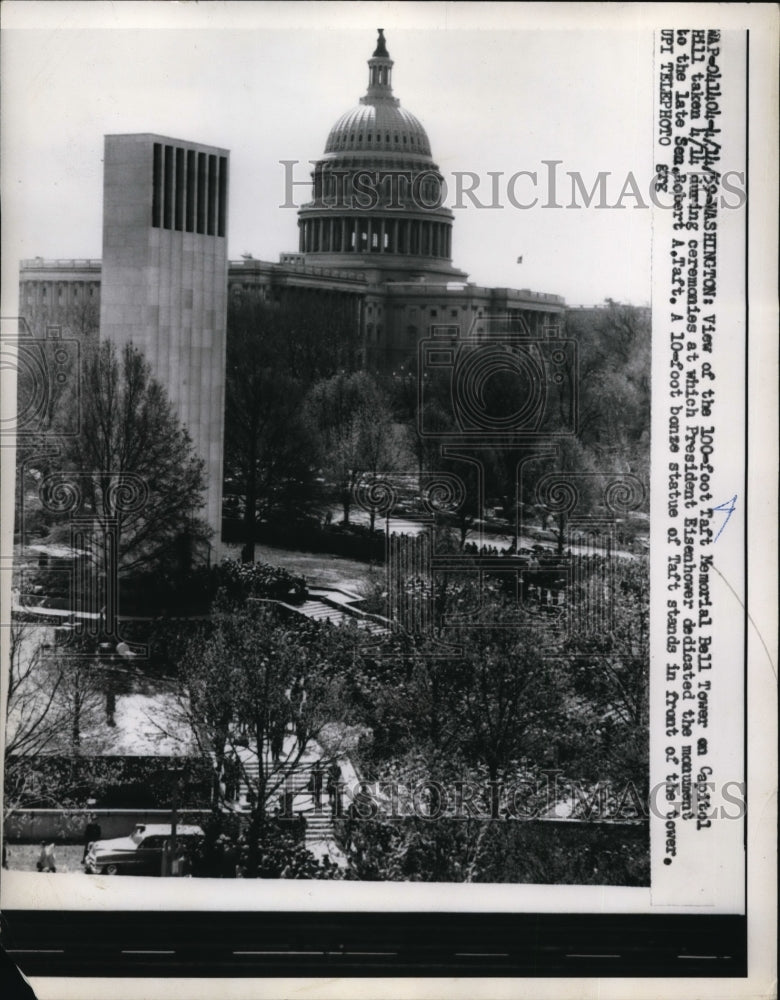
x: 295, y: 778
x: 334, y: 609
x: 319, y: 611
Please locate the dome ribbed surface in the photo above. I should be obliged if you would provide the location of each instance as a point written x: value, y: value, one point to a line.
x: 378, y: 127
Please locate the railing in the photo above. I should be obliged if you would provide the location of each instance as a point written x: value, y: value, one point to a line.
x: 442, y: 287
x: 46, y: 264
x: 311, y: 269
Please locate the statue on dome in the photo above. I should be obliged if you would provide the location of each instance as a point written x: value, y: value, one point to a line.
x: 381, y: 47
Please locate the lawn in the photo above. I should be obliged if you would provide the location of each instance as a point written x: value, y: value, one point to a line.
x: 320, y: 569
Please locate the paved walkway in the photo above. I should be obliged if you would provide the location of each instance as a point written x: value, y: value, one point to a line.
x: 293, y: 775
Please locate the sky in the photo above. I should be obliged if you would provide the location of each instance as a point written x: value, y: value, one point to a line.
x: 499, y: 89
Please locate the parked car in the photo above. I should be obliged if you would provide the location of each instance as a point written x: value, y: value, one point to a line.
x: 140, y: 853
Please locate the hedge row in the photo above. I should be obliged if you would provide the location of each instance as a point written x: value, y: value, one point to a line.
x: 552, y: 853
x: 353, y: 542
x: 189, y: 593
x: 108, y: 782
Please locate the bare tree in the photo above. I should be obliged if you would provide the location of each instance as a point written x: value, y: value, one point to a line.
x: 269, y: 458
x: 128, y: 465
x: 351, y: 418
x: 79, y: 319
x: 614, y: 377
x: 508, y: 697
x: 55, y: 696
x: 256, y: 695
x: 308, y: 335
x: 33, y: 721
x: 54, y: 707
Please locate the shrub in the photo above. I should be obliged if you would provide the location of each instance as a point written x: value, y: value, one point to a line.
x: 455, y: 850
x: 239, y: 581
x: 107, y: 782
x: 279, y: 852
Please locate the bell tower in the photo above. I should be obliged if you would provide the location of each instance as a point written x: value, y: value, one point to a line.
x: 164, y: 279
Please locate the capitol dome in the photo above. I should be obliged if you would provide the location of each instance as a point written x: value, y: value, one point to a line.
x: 377, y: 194
x: 376, y: 127
x: 378, y: 123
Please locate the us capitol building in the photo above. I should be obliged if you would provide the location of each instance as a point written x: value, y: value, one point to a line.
x: 374, y: 236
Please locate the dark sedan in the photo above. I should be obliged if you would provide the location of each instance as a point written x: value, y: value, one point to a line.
x: 139, y: 854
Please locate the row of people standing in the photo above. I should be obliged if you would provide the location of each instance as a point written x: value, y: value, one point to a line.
x: 328, y: 779
x: 332, y: 781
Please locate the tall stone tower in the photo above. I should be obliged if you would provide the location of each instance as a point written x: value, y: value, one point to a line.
x: 164, y: 278
x: 377, y: 192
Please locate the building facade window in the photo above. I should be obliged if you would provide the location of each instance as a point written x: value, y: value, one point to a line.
x: 222, y: 197
x: 191, y: 192
x: 178, y: 219
x: 201, y: 209
x: 156, y: 185
x: 212, y: 203
x: 167, y: 187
